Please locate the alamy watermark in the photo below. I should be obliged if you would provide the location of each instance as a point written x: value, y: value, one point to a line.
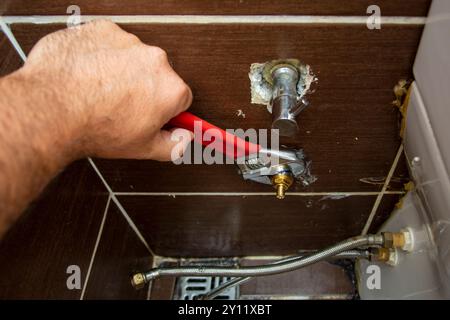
x: 74, y: 19
x: 373, y: 281
x: 73, y: 281
x: 224, y: 147
x: 374, y: 20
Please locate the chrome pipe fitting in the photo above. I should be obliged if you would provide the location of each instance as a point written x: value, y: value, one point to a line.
x: 285, y: 99
x: 263, y: 270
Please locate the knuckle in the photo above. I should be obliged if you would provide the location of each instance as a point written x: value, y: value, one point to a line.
x: 133, y: 38
x: 183, y: 96
x: 159, y: 53
x: 155, y: 55
x: 186, y: 96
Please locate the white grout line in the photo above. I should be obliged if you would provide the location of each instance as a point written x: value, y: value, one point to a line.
x: 94, y: 252
x: 119, y: 206
x: 242, y: 194
x: 380, y: 196
x: 220, y: 19
x: 12, y: 39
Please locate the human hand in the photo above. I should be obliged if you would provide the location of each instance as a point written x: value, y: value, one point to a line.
x: 109, y: 93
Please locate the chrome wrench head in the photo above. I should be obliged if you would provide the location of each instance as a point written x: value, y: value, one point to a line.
x: 267, y: 163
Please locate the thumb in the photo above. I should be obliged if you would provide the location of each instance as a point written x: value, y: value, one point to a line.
x: 170, y: 144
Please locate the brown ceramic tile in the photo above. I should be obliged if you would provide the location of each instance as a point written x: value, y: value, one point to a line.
x: 58, y: 230
x: 163, y: 288
x: 357, y: 69
x: 119, y: 254
x: 233, y: 7
x: 234, y: 226
x: 321, y: 280
x: 398, y: 179
x: 9, y: 59
x: 350, y: 132
x: 352, y: 127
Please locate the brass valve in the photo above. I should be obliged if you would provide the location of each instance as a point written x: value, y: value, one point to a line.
x: 394, y: 239
x: 382, y: 254
x: 282, y: 182
x: 387, y: 255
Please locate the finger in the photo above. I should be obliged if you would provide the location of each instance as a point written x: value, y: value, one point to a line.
x: 170, y: 145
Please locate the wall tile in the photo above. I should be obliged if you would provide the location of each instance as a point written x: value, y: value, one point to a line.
x: 357, y: 70
x: 58, y: 230
x: 237, y: 225
x: 119, y: 254
x: 233, y: 7
x: 163, y: 289
x: 350, y: 132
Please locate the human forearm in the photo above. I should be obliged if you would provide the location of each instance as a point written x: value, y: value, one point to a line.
x: 35, y: 141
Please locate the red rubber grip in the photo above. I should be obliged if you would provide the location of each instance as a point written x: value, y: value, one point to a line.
x: 233, y: 146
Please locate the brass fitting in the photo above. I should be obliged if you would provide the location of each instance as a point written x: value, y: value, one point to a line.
x: 138, y: 281
x: 394, y: 240
x: 282, y: 182
x: 382, y: 254
x: 388, y: 256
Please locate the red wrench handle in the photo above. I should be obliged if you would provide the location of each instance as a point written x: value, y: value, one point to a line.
x: 232, y: 146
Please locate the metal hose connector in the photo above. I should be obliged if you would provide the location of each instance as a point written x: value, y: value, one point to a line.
x: 354, y: 254
x: 264, y: 270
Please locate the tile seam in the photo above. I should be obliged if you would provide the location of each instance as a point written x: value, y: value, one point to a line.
x: 383, y: 190
x: 219, y: 19
x: 94, y: 252
x: 232, y: 194
x: 120, y: 207
x: 8, y: 33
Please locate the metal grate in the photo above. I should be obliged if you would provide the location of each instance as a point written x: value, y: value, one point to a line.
x: 190, y: 288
